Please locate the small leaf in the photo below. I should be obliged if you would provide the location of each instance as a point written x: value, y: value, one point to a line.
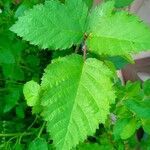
x: 141, y: 109
x: 31, y: 92
x: 11, y: 98
x: 129, y: 129
x: 122, y: 3
x: 32, y: 95
x: 38, y: 144
x: 21, y: 10
x: 132, y: 89
x: 124, y: 128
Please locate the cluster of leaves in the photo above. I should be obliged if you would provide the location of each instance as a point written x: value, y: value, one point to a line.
x: 78, y: 102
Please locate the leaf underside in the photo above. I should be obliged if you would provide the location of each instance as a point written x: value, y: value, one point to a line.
x: 53, y: 25
x: 122, y: 3
x: 75, y: 97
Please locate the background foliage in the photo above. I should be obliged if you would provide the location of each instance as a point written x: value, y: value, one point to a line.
x: 128, y: 124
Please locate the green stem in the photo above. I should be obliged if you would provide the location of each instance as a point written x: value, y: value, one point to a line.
x: 26, y: 68
x: 41, y: 130
x: 32, y: 123
x: 28, y: 129
x: 14, y: 134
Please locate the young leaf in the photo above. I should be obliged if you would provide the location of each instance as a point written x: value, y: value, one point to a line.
x: 116, y: 33
x: 129, y: 129
x: 122, y: 3
x: 146, y: 125
x: 11, y: 98
x: 75, y: 97
x: 141, y: 109
x: 53, y: 25
x: 124, y: 128
x: 38, y: 144
x: 31, y: 92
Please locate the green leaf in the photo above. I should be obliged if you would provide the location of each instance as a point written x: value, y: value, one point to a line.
x: 6, y: 56
x: 21, y: 10
x: 124, y: 128
x: 19, y: 147
x: 146, y: 125
x: 146, y: 87
x: 89, y: 3
x: 61, y: 27
x: 141, y: 109
x: 20, y: 111
x: 129, y: 129
x: 38, y: 144
x: 13, y: 72
x: 89, y: 146
x: 132, y: 89
x: 11, y: 98
x: 116, y: 33
x: 122, y: 3
x: 75, y: 97
x: 31, y: 92
x: 118, y: 61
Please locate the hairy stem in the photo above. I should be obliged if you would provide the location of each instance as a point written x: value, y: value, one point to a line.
x: 84, y: 48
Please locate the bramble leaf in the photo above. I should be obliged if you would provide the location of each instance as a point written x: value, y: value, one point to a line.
x: 75, y: 97
x: 53, y: 25
x: 31, y: 92
x: 116, y: 33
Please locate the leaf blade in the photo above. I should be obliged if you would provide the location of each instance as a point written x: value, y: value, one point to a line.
x: 79, y: 88
x: 111, y: 33
x: 61, y: 27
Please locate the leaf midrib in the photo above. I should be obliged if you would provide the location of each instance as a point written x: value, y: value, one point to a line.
x: 74, y: 104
